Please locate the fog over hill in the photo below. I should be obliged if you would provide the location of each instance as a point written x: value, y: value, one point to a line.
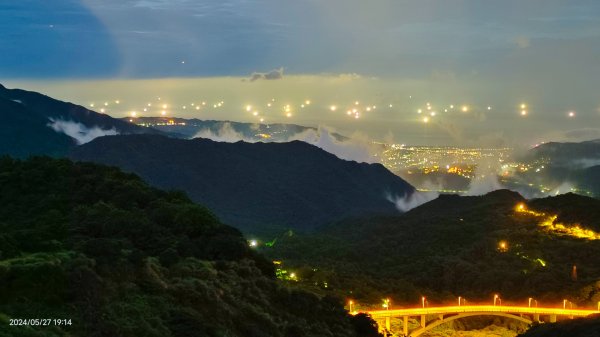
x: 35, y: 124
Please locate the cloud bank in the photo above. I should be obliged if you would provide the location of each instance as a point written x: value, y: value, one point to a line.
x: 80, y: 132
x: 225, y: 134
x: 405, y: 204
x: 358, y: 147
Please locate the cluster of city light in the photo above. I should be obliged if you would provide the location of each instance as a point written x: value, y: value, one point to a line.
x: 429, y: 159
x: 428, y: 112
x: 354, y: 109
x: 157, y: 107
x: 523, y: 108
x: 549, y: 224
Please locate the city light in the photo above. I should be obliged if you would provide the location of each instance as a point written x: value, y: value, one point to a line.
x: 503, y: 246
x: 548, y: 222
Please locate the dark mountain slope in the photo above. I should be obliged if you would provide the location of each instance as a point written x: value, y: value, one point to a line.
x: 559, y: 164
x: 566, y: 154
x: 24, y: 132
x: 26, y: 124
x: 254, y: 185
x: 107, y: 255
x: 581, y: 327
x: 455, y: 246
x: 58, y: 110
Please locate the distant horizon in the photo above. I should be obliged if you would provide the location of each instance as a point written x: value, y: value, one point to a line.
x: 524, y: 72
x: 487, y: 121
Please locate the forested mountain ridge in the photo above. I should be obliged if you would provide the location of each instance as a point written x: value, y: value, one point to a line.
x: 255, y: 186
x: 99, y: 248
x: 457, y: 246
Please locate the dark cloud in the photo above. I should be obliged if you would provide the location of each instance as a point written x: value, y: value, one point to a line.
x: 275, y: 74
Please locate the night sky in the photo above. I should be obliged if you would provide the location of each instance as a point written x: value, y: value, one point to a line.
x: 406, y: 53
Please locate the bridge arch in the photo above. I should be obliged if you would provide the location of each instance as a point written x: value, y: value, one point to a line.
x: 429, y: 327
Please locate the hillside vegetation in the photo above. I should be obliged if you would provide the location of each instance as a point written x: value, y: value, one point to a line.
x: 453, y: 246
x: 114, y: 257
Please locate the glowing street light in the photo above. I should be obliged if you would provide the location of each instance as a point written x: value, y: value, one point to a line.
x: 529, y: 304
x: 386, y: 303
x: 350, y: 304
x: 564, y: 304
x: 423, y: 301
x: 496, y: 298
x: 503, y: 246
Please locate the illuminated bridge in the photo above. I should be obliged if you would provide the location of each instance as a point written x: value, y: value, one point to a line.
x: 432, y: 317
